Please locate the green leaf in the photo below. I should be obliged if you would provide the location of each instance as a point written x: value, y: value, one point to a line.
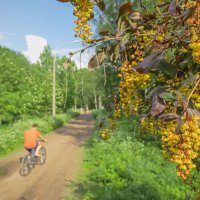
x: 125, y: 39
x: 123, y: 26
x: 191, y: 79
x: 117, y: 51
x: 167, y: 68
x: 167, y: 96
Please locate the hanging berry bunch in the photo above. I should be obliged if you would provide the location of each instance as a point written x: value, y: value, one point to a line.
x: 151, y: 125
x: 117, y: 110
x: 130, y: 85
x: 194, y: 23
x: 112, y: 123
x: 105, y: 134
x: 182, y: 147
x: 83, y: 11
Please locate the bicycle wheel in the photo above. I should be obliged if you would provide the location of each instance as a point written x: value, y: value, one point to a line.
x: 42, y: 158
x: 25, y: 169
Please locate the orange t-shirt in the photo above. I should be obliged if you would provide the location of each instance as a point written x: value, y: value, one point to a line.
x: 30, y: 138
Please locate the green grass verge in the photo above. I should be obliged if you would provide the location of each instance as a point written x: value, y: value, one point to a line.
x: 11, y: 136
x: 128, y: 167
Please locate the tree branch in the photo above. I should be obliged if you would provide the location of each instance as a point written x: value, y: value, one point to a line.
x: 142, y: 5
x: 99, y: 42
x: 197, y: 83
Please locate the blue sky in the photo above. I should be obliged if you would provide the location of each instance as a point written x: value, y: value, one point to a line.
x: 27, y: 25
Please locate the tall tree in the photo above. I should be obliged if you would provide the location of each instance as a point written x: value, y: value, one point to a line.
x: 106, y: 20
x: 46, y: 58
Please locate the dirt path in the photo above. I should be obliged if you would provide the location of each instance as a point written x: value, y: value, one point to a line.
x: 48, y: 182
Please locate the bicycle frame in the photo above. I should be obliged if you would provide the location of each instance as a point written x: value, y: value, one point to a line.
x: 31, y: 159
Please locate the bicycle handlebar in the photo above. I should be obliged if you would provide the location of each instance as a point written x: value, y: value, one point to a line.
x: 40, y: 140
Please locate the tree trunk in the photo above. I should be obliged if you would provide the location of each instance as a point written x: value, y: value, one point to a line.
x: 75, y: 103
x: 100, y: 102
x: 95, y: 99
x: 66, y: 85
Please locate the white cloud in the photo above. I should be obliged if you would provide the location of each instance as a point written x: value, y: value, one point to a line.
x: 5, y: 35
x: 2, y: 36
x: 85, y: 57
x: 35, y: 46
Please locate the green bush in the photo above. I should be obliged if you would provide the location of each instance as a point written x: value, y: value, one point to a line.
x: 99, y: 113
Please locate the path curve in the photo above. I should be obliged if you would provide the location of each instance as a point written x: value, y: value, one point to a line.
x: 49, y: 181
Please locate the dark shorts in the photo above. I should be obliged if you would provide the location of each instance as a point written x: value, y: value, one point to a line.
x: 32, y: 149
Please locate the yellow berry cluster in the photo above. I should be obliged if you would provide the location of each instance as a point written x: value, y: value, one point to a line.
x: 188, y: 4
x: 195, y: 45
x: 130, y: 84
x: 172, y: 83
x: 161, y: 78
x: 143, y: 37
x: 194, y: 22
x: 83, y: 10
x: 150, y: 125
x: 117, y: 110
x: 112, y: 124
x: 105, y: 134
x: 182, y: 148
x: 196, y: 98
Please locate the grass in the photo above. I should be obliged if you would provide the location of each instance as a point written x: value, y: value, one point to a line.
x: 128, y: 167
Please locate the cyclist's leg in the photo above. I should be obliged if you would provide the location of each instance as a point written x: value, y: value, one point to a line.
x: 29, y: 150
x: 32, y: 150
x: 37, y: 150
x: 30, y: 157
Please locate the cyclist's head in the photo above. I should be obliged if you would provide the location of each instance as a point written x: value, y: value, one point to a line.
x: 34, y: 125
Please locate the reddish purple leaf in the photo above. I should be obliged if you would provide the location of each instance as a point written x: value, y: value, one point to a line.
x: 96, y: 60
x: 101, y: 5
x: 157, y: 107
x: 162, y: 44
x: 125, y: 8
x: 192, y: 112
x: 149, y: 62
x: 172, y: 7
x: 168, y: 116
x: 64, y: 1
x: 105, y: 33
x: 179, y: 123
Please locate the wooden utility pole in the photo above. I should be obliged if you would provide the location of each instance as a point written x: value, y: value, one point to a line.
x: 54, y: 88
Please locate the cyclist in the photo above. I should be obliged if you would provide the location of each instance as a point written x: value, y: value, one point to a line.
x: 30, y: 139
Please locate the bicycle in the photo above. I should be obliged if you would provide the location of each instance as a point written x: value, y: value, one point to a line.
x: 29, y: 161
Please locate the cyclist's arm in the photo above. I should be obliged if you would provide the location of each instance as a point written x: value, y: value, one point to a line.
x: 41, y: 137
